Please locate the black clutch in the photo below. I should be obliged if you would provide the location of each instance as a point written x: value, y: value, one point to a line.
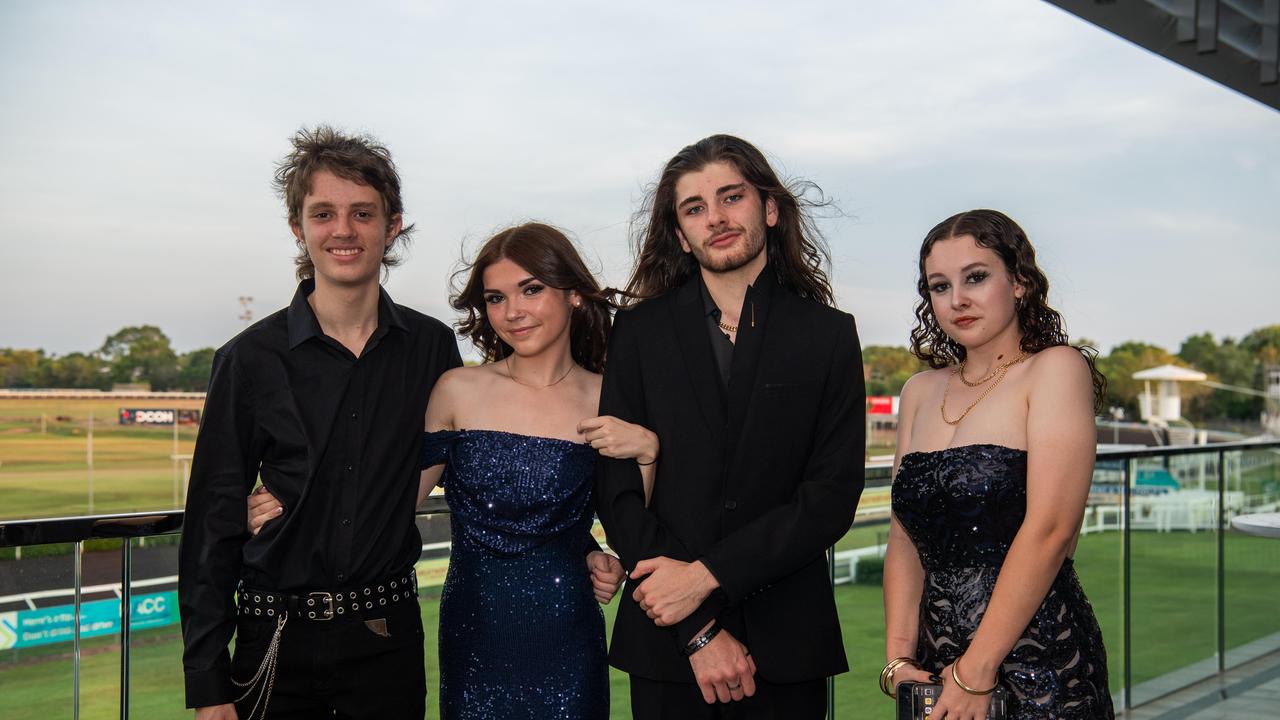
x: 916, y: 701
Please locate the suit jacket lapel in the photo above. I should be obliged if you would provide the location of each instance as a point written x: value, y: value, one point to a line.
x: 695, y: 347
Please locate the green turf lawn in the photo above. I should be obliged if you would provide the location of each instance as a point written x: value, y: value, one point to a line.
x: 1173, y: 615
x: 44, y: 474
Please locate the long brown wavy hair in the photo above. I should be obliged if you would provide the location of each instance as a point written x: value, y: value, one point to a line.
x: 548, y: 255
x: 358, y: 158
x: 1041, y: 326
x: 797, y: 251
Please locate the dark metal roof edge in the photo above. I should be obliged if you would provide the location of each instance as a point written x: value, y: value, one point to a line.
x: 1147, y: 26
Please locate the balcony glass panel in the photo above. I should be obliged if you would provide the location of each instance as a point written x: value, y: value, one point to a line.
x: 36, y: 662
x: 1252, y: 567
x: 1173, y: 573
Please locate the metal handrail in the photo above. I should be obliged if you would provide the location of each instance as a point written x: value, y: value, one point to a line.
x: 79, y: 529
x: 125, y: 526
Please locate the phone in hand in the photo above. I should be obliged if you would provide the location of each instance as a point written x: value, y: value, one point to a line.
x: 916, y: 701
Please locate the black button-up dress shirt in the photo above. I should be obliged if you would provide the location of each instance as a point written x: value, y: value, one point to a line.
x: 721, y: 345
x: 335, y: 437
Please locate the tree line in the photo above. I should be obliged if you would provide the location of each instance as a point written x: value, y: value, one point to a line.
x: 143, y: 354
x: 140, y: 354
x: 1228, y: 361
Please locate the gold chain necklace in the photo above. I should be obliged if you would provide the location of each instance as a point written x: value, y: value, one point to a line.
x: 991, y: 374
x: 727, y: 328
x: 999, y: 373
x: 518, y: 381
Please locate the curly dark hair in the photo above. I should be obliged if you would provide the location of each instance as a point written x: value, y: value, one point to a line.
x: 358, y: 158
x: 1041, y: 326
x: 548, y: 255
x: 797, y: 251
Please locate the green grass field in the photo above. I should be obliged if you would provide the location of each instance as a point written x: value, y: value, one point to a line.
x: 44, y: 474
x: 44, y: 470
x: 1173, y: 615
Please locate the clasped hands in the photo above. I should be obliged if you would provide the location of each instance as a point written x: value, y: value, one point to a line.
x: 670, y: 592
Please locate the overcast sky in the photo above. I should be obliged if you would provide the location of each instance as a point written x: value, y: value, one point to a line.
x: 137, y: 143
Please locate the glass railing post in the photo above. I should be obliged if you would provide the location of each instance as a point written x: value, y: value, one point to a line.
x: 1125, y: 585
x: 126, y: 588
x: 1222, y: 569
x: 77, y: 554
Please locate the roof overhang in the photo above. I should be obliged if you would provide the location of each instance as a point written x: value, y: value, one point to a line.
x: 1233, y: 42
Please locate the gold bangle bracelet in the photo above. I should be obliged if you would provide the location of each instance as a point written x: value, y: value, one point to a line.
x: 891, y: 667
x: 955, y: 675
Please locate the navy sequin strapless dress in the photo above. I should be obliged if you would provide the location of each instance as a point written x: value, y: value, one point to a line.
x: 962, y: 508
x: 521, y: 635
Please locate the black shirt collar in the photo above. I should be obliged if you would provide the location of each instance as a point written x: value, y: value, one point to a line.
x: 758, y: 291
x: 303, y: 324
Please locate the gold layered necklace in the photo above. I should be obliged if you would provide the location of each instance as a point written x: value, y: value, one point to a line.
x: 518, y: 381
x: 997, y: 374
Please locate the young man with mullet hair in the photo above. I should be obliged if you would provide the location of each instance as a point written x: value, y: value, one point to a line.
x: 324, y: 401
x: 738, y: 360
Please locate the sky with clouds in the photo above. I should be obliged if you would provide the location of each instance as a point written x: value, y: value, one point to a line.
x: 138, y: 142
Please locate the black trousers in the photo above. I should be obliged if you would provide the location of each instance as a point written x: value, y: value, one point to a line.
x: 653, y: 700
x: 370, y: 666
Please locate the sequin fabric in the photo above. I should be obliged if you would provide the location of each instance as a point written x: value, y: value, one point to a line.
x: 962, y: 508
x: 521, y: 635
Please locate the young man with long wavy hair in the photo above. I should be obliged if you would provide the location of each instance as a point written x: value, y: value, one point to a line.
x: 737, y: 358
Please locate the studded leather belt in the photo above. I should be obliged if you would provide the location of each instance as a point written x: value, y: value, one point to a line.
x: 323, y: 605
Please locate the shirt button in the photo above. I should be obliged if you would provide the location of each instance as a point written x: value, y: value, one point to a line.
x: 354, y: 415
x: 730, y: 504
x: 342, y: 576
x: 346, y: 522
x: 350, y: 468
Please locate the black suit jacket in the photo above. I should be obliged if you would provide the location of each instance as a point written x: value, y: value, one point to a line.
x: 757, y: 488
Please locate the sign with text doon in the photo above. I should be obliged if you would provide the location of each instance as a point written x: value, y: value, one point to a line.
x: 158, y: 416
x: 43, y: 626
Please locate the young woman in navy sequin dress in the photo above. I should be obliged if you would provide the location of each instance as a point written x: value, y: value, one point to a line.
x: 514, y: 444
x: 995, y: 458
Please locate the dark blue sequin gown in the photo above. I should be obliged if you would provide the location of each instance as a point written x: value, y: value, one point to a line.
x: 521, y: 635
x: 962, y: 508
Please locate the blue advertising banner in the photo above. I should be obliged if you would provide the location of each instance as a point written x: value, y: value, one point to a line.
x: 27, y: 628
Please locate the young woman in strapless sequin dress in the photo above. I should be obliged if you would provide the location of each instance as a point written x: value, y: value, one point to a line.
x: 995, y: 458
x: 521, y: 635
x: 513, y: 442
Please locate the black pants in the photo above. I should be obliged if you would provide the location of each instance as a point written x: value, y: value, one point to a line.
x: 349, y: 667
x: 653, y: 700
